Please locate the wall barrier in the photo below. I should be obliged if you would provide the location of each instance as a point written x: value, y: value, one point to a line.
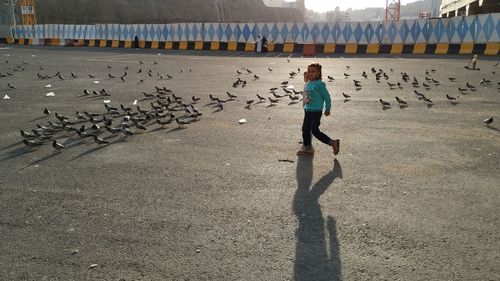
x: 460, y: 35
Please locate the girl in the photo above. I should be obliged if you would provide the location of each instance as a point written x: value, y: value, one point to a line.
x: 315, y: 97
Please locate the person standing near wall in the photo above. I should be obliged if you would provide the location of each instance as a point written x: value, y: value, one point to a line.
x: 259, y: 44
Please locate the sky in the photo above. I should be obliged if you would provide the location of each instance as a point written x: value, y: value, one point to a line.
x: 327, y: 5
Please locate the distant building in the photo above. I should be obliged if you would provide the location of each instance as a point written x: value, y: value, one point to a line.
x: 337, y: 16
x: 454, y: 8
x: 424, y: 15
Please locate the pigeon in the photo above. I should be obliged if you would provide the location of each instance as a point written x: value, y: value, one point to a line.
x: 27, y: 135
x: 91, y: 76
x: 484, y: 82
x: 57, y: 145
x: 261, y: 98
x: 284, y: 83
x: 231, y: 97
x: 273, y: 101
x: 126, y: 132
x: 180, y: 122
x: 61, y: 77
x: 270, y: 69
x: 32, y: 143
x: 249, y: 71
x: 220, y: 105
x: 239, y: 72
x: 195, y: 99
x: 391, y: 85
x: 249, y: 102
x: 330, y: 78
x: 294, y: 98
x: 470, y: 86
x: 123, y: 79
x: 346, y: 75
x: 46, y: 111
x: 496, y: 64
x: 100, y: 141
x: 452, y: 79
x: 147, y: 95
x: 256, y: 77
x: 73, y: 75
x: 427, y: 100
x: 346, y: 96
x: 401, y: 102
x: 462, y: 89
x: 109, y: 66
x: 163, y: 122
x: 384, y: 103
x: 11, y: 86
x: 488, y: 121
x: 450, y: 98
x: 124, y: 108
x: 111, y: 76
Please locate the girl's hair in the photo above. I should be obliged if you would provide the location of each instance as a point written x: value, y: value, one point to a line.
x: 318, y: 67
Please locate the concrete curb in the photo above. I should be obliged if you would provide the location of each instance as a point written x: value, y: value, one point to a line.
x: 306, y: 49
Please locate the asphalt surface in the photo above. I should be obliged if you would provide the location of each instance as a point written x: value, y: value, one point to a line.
x: 413, y: 195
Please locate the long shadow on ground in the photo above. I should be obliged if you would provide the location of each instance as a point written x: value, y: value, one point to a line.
x: 314, y: 258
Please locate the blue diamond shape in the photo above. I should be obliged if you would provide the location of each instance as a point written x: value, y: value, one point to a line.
x: 228, y: 32
x: 325, y: 32
x: 336, y: 31
x: 450, y: 29
x: 439, y: 30
x: 194, y: 31
x: 255, y: 31
x: 284, y: 32
x: 186, y: 32
x: 315, y: 32
x: 415, y: 30
x: 210, y: 32
x: 173, y: 32
x: 295, y: 32
x: 462, y: 29
x: 380, y: 32
x: 488, y: 27
x: 427, y: 31
x: 304, y: 32
x: 275, y: 32
x: 124, y: 33
x: 246, y: 32
x: 347, y: 32
x: 403, y: 31
x: 358, y: 32
x: 165, y: 32
x: 237, y: 32
x: 392, y: 32
x: 369, y: 32
x: 265, y: 30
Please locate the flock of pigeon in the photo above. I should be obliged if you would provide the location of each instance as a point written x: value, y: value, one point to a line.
x: 165, y: 107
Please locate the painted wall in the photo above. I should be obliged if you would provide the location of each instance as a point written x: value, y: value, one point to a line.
x: 472, y: 29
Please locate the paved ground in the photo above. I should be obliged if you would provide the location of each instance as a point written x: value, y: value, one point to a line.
x: 413, y: 195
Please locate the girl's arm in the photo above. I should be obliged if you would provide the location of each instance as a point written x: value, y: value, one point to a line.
x: 326, y: 96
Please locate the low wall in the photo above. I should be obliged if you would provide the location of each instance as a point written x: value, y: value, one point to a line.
x: 460, y: 35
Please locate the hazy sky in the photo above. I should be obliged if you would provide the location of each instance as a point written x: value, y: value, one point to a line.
x: 327, y: 5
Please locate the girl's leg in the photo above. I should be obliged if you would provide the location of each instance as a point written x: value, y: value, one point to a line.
x: 315, y: 122
x: 306, y: 129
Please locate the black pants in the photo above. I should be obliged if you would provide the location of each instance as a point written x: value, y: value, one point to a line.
x: 312, y: 120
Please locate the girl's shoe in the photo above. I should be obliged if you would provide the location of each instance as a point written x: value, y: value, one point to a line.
x: 336, y: 146
x: 305, y: 151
